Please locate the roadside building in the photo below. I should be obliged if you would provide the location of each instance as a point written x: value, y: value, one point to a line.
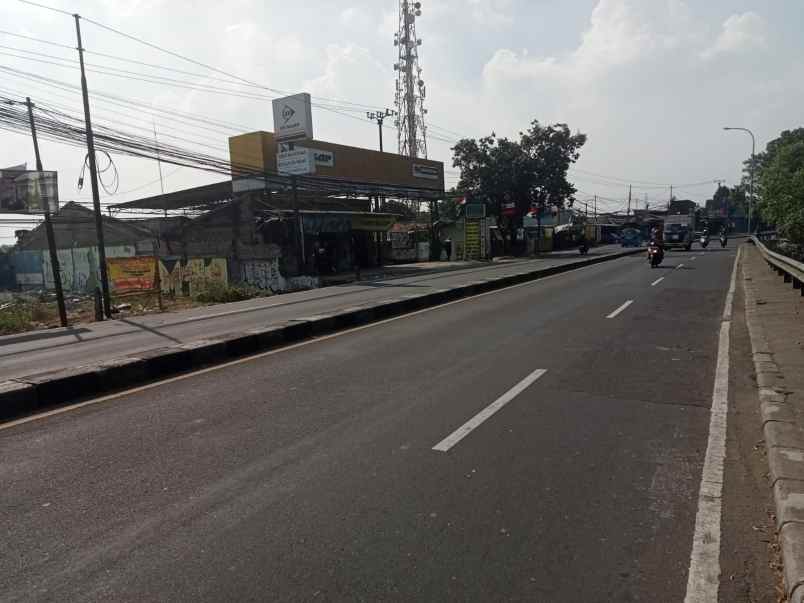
x: 278, y: 231
x: 76, y: 244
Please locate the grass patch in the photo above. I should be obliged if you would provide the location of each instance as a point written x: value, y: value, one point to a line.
x: 20, y: 317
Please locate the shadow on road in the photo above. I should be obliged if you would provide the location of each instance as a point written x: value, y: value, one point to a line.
x: 39, y: 335
x: 149, y: 329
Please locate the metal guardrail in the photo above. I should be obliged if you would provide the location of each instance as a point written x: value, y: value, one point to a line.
x: 792, y: 270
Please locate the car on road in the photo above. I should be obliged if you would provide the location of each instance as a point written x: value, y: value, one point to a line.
x: 678, y: 232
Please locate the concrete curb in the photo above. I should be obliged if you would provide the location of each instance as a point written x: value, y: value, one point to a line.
x: 784, y: 439
x: 26, y: 395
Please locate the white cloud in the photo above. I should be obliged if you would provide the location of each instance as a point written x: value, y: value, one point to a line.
x: 740, y: 33
x: 492, y: 13
x: 620, y: 33
x: 356, y: 18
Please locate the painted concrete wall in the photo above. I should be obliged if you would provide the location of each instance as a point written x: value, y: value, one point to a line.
x: 28, y: 268
x: 79, y: 266
x: 180, y: 278
x: 265, y: 275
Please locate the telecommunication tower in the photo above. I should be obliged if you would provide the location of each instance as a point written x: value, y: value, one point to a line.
x: 410, y: 89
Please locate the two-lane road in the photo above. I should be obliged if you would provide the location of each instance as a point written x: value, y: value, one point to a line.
x: 540, y: 443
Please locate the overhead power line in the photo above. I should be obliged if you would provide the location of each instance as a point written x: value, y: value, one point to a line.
x: 341, y: 104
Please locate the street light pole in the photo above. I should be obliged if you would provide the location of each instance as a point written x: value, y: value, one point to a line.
x: 751, y: 189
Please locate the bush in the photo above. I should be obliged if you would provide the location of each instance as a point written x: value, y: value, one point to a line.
x: 216, y: 292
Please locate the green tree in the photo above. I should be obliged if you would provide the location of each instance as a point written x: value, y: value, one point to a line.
x: 527, y: 172
x: 780, y: 175
x: 730, y: 199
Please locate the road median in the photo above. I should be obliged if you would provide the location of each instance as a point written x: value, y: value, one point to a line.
x: 26, y: 395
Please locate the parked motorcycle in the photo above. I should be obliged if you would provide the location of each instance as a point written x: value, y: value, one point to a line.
x: 704, y: 241
x: 655, y: 255
x: 722, y: 240
x: 583, y: 248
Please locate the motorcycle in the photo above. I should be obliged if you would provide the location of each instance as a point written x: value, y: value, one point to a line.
x: 704, y: 241
x: 583, y: 248
x: 655, y: 255
x: 722, y: 240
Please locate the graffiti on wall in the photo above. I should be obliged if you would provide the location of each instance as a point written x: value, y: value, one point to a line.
x: 263, y: 274
x: 190, y: 278
x: 79, y: 266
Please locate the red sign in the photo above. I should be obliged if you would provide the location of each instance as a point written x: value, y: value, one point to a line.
x: 509, y: 208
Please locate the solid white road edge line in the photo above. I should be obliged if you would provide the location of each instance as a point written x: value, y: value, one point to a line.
x: 730, y: 294
x: 703, y: 581
x: 620, y: 309
x: 473, y: 423
x: 657, y: 281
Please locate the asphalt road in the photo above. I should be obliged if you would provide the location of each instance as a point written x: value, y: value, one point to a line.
x: 310, y: 473
x: 41, y: 351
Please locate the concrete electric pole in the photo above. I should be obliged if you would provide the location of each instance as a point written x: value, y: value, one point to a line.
x: 93, y: 173
x: 628, y: 211
x: 410, y: 89
x: 379, y: 117
x: 51, y: 235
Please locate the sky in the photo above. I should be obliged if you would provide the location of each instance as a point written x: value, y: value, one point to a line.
x: 651, y: 82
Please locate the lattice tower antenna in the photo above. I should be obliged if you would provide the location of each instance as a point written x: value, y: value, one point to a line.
x: 410, y: 88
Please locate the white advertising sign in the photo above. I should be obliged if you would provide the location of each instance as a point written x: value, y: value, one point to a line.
x: 425, y: 171
x: 298, y: 161
x: 293, y: 118
x: 321, y: 157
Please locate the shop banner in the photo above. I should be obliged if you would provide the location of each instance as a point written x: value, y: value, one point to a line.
x: 132, y: 274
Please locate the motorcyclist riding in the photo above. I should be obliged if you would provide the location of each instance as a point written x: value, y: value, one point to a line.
x: 656, y: 243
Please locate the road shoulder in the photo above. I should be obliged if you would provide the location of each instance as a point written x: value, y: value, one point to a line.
x: 775, y: 320
x: 750, y: 555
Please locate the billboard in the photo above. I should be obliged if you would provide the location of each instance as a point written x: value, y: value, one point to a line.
x: 27, y: 191
x: 132, y: 274
x: 293, y: 117
x: 258, y: 151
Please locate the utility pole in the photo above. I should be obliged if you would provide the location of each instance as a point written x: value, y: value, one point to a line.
x: 299, y: 223
x: 93, y: 173
x: 671, y: 195
x: 379, y: 117
x: 159, y: 165
x: 51, y: 236
x: 628, y: 211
